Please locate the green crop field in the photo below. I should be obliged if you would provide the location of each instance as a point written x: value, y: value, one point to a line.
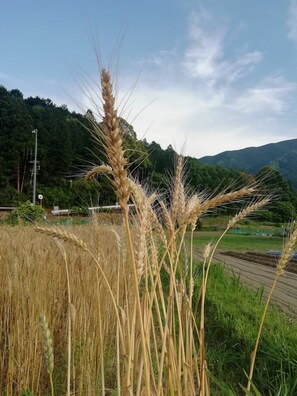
x: 238, y: 242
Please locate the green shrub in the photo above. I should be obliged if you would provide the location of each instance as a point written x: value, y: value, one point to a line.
x: 27, y: 212
x: 80, y: 210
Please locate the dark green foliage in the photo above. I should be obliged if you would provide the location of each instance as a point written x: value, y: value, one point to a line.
x: 64, y: 146
x: 212, y: 177
x: 15, y: 138
x: 284, y: 207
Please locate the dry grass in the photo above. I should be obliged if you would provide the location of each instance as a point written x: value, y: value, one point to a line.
x: 33, y: 281
x: 104, y: 338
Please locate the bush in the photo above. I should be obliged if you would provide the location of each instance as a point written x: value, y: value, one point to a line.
x: 27, y: 212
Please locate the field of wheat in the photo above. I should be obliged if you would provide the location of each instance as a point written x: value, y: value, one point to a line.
x: 100, y: 310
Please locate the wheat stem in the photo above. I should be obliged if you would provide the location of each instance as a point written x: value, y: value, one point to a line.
x: 282, y: 263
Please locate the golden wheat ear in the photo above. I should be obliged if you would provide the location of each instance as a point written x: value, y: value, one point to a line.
x: 62, y: 235
x: 286, y: 253
x: 113, y: 143
x: 178, y: 193
x: 47, y: 344
x: 97, y: 170
x: 253, y: 207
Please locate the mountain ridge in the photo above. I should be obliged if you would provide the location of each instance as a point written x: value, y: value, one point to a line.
x: 280, y: 155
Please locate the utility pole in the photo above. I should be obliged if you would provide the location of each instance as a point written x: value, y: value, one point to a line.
x: 35, y: 167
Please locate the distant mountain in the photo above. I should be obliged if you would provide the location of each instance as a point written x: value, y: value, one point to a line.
x: 282, y: 156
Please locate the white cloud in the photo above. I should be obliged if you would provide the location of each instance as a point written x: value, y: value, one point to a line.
x: 205, y: 51
x: 242, y: 66
x: 292, y: 21
x: 195, y: 95
x: 205, y: 56
x: 269, y: 96
x: 208, y: 121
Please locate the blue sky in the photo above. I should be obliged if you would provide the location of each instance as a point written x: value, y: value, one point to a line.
x: 203, y: 76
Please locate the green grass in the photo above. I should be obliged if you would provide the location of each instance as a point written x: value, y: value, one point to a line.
x: 233, y: 314
x: 238, y: 242
x: 220, y: 222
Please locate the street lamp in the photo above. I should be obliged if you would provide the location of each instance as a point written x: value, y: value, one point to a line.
x: 40, y: 197
x: 35, y: 167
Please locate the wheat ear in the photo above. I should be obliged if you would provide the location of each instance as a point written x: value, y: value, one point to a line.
x: 59, y: 234
x: 143, y: 205
x: 97, y: 170
x: 178, y: 197
x: 253, y: 207
x: 225, y: 198
x: 191, y: 210
x: 286, y: 253
x: 48, y: 348
x: 113, y: 140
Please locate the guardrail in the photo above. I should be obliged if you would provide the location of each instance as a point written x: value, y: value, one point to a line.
x: 92, y: 209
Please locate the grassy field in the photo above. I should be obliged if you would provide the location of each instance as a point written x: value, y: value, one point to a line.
x: 232, y: 310
x: 213, y: 222
x: 238, y: 242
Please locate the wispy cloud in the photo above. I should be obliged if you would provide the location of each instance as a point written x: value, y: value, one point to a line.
x: 292, y: 21
x: 207, y: 123
x: 205, y: 56
x: 271, y: 95
x: 205, y: 51
x: 205, y: 95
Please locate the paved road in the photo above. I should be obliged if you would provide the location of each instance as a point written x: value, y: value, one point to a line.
x: 256, y: 275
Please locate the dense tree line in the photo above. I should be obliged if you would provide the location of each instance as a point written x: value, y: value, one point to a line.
x: 67, y: 149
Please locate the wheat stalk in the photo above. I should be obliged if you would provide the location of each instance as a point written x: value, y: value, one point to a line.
x: 282, y: 263
x: 116, y: 158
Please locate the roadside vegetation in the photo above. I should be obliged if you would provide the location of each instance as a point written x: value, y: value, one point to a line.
x: 126, y: 310
x: 232, y: 314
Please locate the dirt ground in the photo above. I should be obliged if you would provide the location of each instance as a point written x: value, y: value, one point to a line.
x: 262, y: 258
x: 257, y: 271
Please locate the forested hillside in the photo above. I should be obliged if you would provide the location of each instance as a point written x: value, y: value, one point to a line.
x: 67, y: 149
x: 281, y: 156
